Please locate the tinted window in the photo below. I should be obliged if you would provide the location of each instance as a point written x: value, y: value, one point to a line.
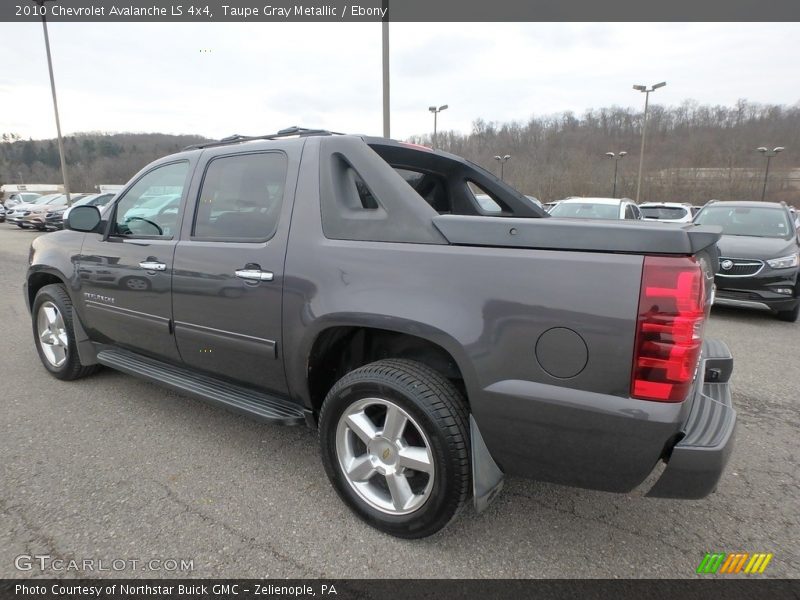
x: 745, y: 220
x: 150, y: 207
x: 241, y: 197
x: 430, y: 186
x: 629, y: 212
x: 663, y: 212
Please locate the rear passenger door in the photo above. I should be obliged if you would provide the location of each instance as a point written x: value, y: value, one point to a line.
x: 228, y: 270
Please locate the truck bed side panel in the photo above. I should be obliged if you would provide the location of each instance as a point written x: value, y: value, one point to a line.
x: 490, y: 308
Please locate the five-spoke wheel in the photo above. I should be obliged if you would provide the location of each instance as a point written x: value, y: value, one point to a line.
x: 54, y: 334
x: 385, y: 456
x: 53, y: 338
x: 395, y: 445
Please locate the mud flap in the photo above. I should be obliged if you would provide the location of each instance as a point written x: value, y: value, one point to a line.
x: 86, y: 350
x: 487, y: 478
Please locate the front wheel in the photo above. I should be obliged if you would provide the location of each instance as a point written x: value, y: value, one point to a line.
x: 54, y: 334
x: 395, y: 444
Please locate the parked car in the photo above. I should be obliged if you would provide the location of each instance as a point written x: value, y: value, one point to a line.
x: 2, y: 213
x: 54, y: 219
x: 20, y: 198
x: 760, y: 256
x: 535, y: 200
x: 668, y: 212
x: 17, y: 214
x: 37, y: 214
x: 795, y: 217
x: 434, y: 349
x: 596, y: 208
x: 548, y: 206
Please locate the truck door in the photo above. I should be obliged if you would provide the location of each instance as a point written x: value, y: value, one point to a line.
x: 228, y: 277
x: 125, y: 275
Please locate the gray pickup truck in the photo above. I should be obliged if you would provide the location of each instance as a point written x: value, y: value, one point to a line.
x: 356, y: 285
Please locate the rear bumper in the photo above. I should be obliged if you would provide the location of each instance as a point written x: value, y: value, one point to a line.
x: 612, y: 443
x: 697, y: 461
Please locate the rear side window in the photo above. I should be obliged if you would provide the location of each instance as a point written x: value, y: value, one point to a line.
x: 241, y: 197
x: 663, y: 212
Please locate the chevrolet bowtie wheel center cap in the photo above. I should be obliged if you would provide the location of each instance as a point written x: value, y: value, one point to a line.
x: 383, y: 455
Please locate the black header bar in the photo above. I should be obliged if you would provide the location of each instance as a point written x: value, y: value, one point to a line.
x: 279, y: 11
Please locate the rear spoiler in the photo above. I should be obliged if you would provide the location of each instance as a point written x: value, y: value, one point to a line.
x: 626, y: 237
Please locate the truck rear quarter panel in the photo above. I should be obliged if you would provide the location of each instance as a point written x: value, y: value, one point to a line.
x: 562, y: 416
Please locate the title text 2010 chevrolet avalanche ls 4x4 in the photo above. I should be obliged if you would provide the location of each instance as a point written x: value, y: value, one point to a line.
x: 356, y: 285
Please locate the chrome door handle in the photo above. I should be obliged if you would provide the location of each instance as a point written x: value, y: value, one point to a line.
x: 254, y: 275
x: 153, y: 265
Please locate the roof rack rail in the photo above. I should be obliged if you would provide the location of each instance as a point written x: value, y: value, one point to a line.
x: 287, y: 132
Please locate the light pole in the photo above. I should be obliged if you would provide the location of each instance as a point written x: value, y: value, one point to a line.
x: 385, y: 55
x: 502, y: 160
x: 436, y: 112
x: 769, y: 154
x: 55, y: 102
x: 643, y: 88
x: 616, y: 158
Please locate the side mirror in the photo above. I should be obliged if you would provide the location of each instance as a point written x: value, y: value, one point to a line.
x: 83, y: 218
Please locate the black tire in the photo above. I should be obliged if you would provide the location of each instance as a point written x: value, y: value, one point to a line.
x: 438, y: 410
x: 72, y: 367
x: 789, y: 315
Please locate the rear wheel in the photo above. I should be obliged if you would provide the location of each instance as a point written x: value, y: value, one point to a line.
x: 54, y: 334
x: 395, y: 445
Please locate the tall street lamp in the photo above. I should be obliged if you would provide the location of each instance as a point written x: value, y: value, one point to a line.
x: 769, y: 154
x: 644, y: 88
x: 616, y: 158
x: 436, y: 112
x: 55, y: 101
x: 385, y: 61
x: 502, y: 160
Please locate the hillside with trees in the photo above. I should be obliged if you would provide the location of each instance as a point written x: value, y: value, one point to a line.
x: 694, y: 153
x: 92, y: 158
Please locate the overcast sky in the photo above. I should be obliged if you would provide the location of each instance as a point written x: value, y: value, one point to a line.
x: 254, y: 78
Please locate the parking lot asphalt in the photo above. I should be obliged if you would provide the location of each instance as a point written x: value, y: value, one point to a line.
x: 113, y: 468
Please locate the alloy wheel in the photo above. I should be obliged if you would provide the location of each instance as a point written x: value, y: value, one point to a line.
x: 385, y: 456
x: 53, y: 338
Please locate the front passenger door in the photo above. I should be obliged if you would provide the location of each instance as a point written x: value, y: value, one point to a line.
x: 126, y: 274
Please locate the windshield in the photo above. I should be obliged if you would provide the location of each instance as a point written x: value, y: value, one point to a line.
x: 585, y: 210
x: 663, y: 212
x: 753, y: 221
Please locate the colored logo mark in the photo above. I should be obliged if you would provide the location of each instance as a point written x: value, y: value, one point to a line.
x: 735, y: 562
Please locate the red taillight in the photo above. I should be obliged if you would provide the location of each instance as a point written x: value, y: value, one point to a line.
x: 669, y: 330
